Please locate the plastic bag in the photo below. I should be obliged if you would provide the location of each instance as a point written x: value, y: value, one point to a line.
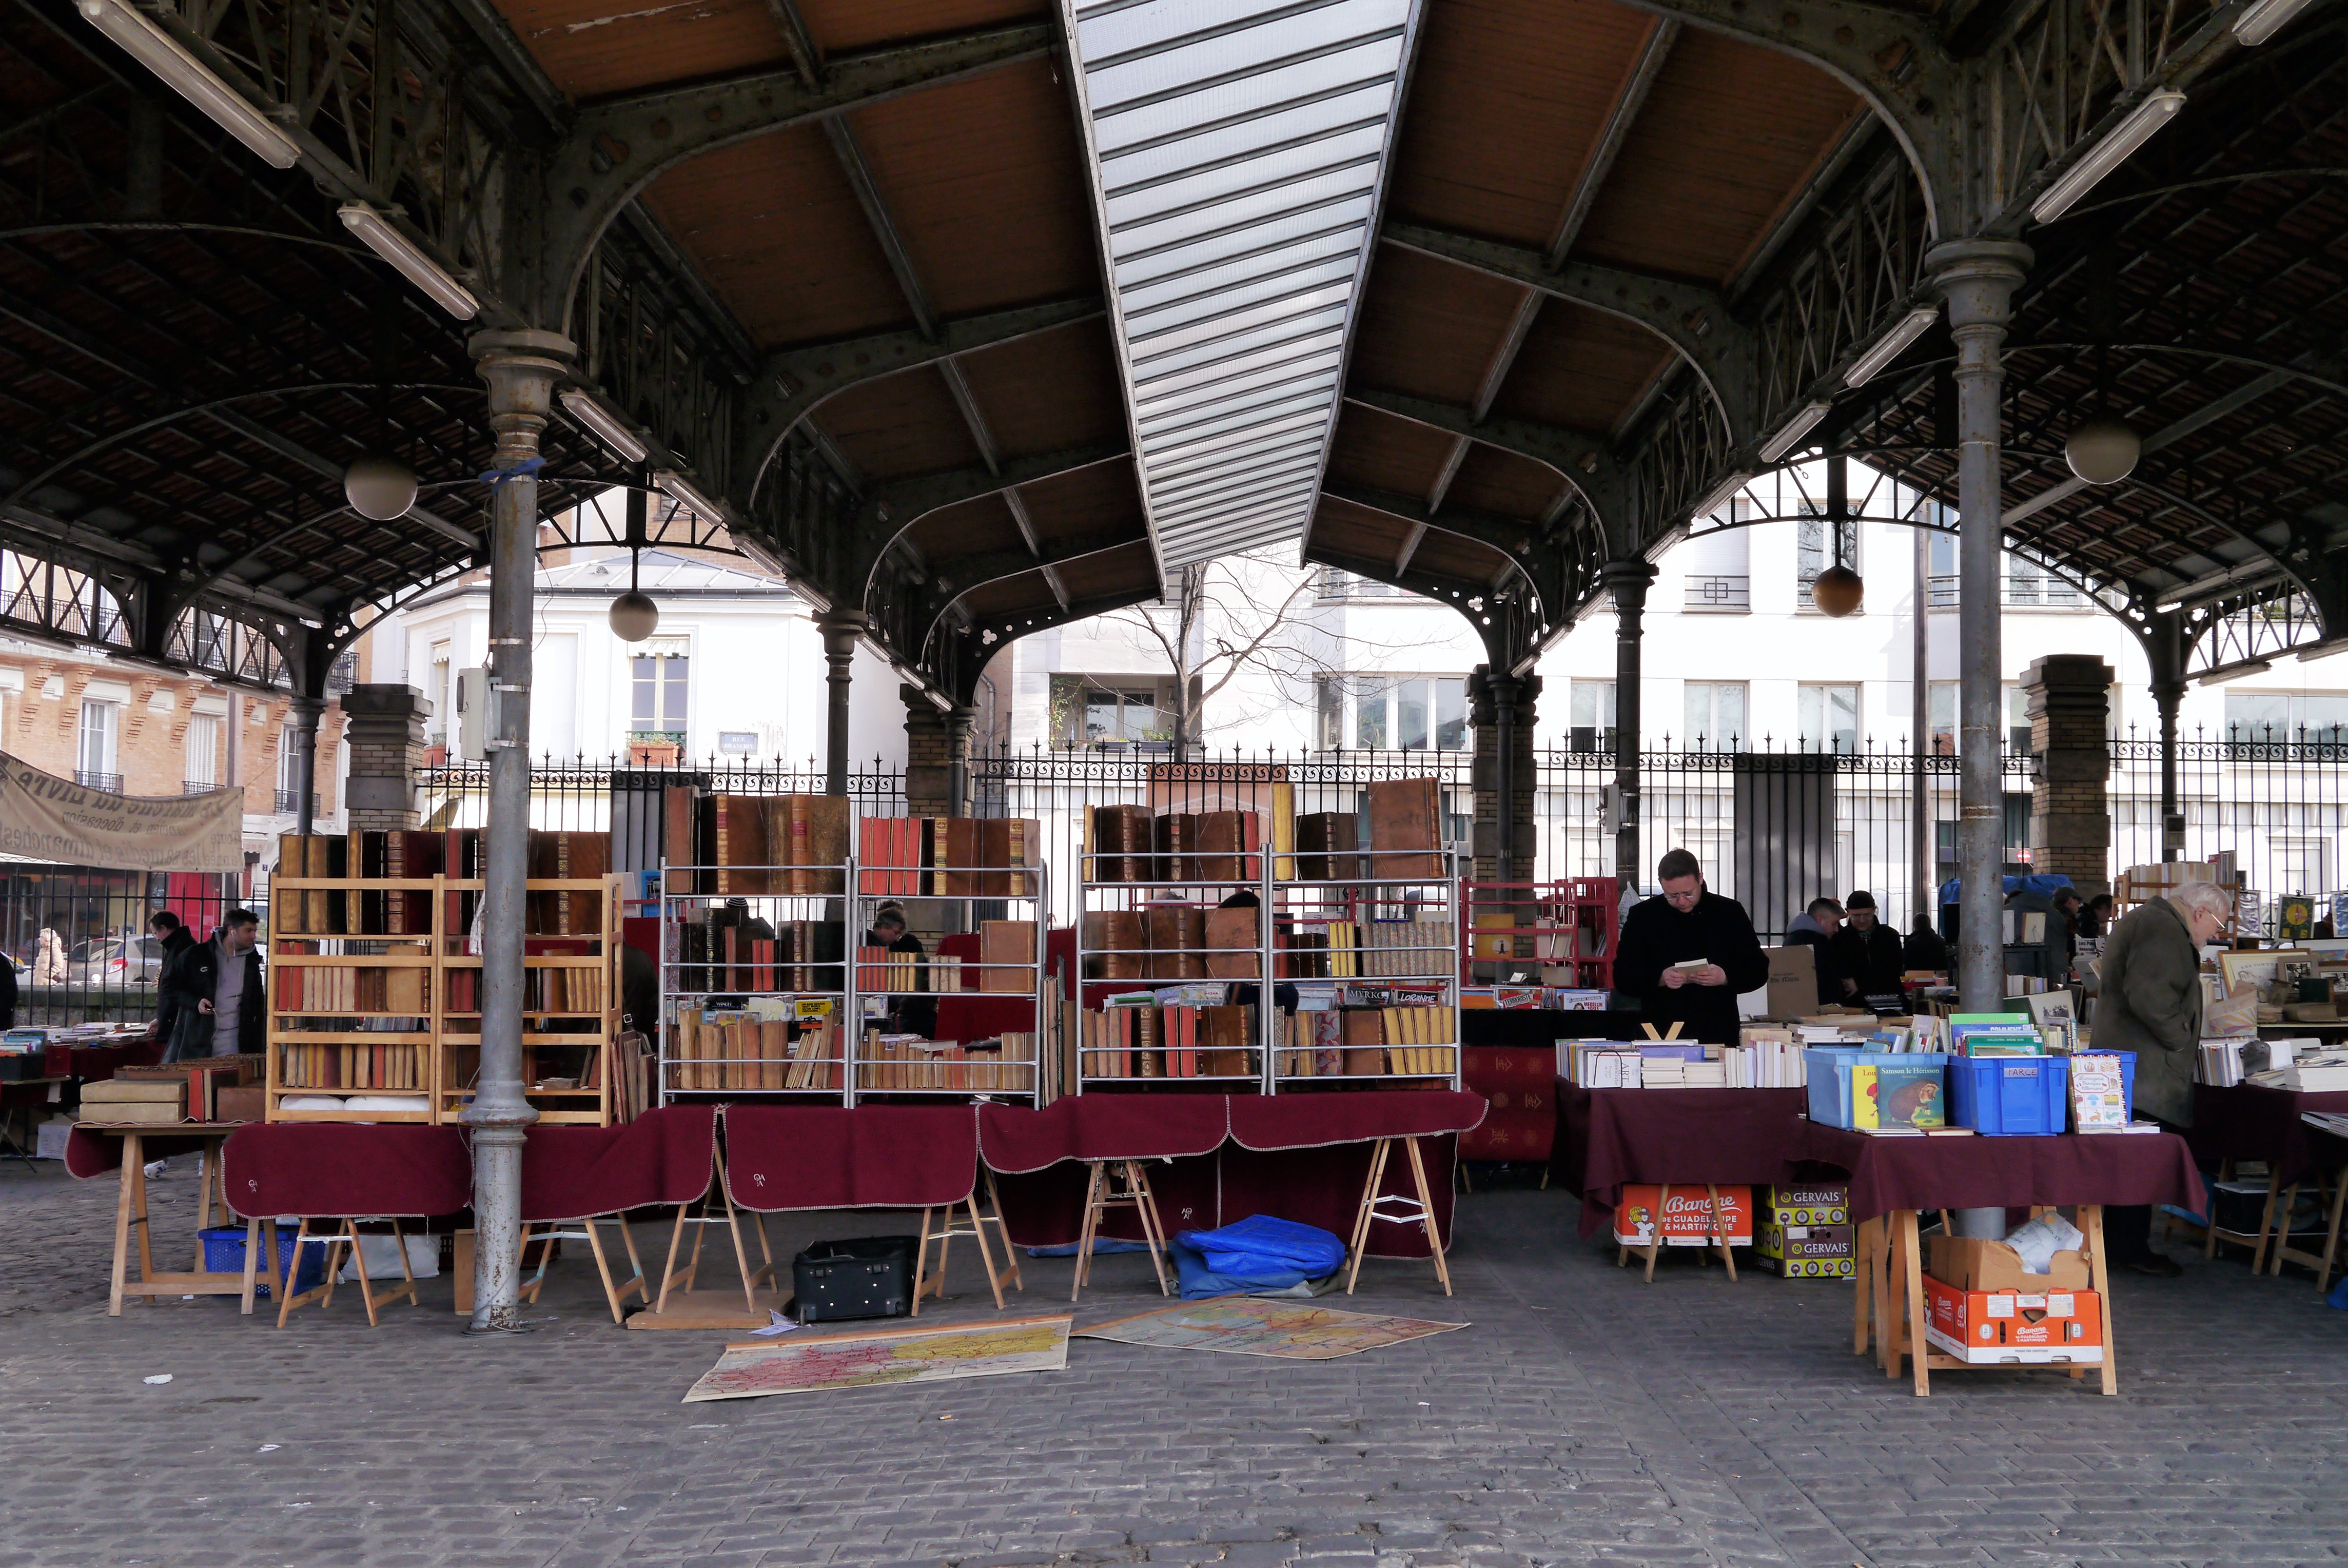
x: 2040, y: 1240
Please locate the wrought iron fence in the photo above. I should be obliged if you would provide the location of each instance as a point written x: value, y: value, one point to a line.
x: 79, y: 941
x: 1773, y: 825
x: 2272, y: 795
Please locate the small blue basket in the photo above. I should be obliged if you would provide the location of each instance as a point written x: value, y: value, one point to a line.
x: 224, y: 1254
x: 2010, y: 1097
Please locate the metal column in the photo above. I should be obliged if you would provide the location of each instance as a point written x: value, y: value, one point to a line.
x: 522, y: 369
x: 2166, y: 645
x: 840, y: 629
x: 1626, y: 583
x: 303, y: 776
x: 1977, y: 279
x: 1920, y: 724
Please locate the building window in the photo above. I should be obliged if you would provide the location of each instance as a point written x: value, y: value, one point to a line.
x: 443, y: 694
x: 1828, y: 718
x: 1941, y: 712
x: 95, y: 765
x: 1383, y: 712
x: 2030, y: 586
x: 2263, y: 716
x: 1590, y: 716
x: 1337, y: 585
x: 1815, y: 553
x: 1941, y: 570
x: 659, y: 688
x: 202, y: 767
x: 1714, y: 712
x: 1719, y: 579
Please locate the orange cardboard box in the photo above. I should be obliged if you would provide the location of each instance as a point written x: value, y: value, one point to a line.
x: 1972, y: 1263
x: 2060, y: 1327
x: 1686, y: 1220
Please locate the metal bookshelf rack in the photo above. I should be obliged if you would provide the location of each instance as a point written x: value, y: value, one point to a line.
x: 1392, y: 944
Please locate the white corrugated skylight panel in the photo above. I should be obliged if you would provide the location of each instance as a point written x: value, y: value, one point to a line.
x: 1239, y: 149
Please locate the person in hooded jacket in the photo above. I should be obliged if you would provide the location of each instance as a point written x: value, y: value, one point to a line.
x: 227, y: 1009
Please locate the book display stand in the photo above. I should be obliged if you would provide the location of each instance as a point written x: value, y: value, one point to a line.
x: 388, y: 1024
x: 767, y: 992
x: 1560, y: 934
x: 1382, y: 951
x: 1152, y: 923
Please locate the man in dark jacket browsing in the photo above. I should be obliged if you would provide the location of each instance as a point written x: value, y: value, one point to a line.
x: 1688, y: 953
x: 226, y: 1010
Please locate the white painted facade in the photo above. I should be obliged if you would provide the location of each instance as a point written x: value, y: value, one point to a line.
x: 753, y: 686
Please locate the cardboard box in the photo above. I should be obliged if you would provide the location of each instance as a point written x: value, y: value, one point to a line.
x: 1793, y: 989
x: 1971, y: 1264
x: 1814, y: 1204
x: 2058, y: 1327
x: 1805, y: 1252
x: 1686, y: 1220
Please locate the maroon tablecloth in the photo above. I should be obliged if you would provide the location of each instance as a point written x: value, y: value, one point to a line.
x: 1889, y: 1173
x: 1608, y: 1137
x: 1309, y: 1120
x: 2247, y: 1121
x: 325, y: 1170
x: 662, y: 1157
x: 1013, y: 1138
x: 829, y: 1157
x: 1518, y: 1084
x: 90, y: 1154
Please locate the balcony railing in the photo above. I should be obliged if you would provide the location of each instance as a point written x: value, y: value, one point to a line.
x: 1720, y: 595
x: 197, y: 786
x: 109, y: 782
x: 290, y: 801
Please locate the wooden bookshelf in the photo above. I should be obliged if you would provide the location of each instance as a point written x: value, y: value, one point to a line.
x: 436, y: 1062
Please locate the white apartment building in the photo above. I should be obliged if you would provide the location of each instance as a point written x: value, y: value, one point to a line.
x: 735, y: 670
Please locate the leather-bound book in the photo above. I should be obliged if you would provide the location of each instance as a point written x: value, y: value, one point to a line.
x: 1003, y: 942
x: 680, y: 842
x: 1009, y: 848
x: 1233, y: 928
x: 1175, y: 837
x: 823, y: 844
x: 1226, y: 1036
x: 1117, y: 946
x: 1177, y: 933
x: 1324, y: 844
x: 1404, y: 816
x: 1365, y: 1041
x: 1121, y: 845
x: 741, y: 829
x: 960, y: 877
x: 1230, y: 846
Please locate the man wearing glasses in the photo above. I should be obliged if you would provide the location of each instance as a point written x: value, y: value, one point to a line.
x: 1688, y: 953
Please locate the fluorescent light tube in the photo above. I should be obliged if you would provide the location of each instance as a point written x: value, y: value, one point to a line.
x: 1779, y: 445
x: 681, y: 492
x: 2265, y: 19
x: 2107, y: 154
x: 191, y: 80
x: 1910, y: 327
x: 402, y: 253
x: 1722, y: 494
x: 604, y: 424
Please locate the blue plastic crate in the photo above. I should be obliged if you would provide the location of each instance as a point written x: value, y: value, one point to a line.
x: 224, y: 1254
x: 2011, y: 1097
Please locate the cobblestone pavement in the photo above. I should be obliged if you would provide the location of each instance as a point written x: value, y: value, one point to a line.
x: 1583, y: 1417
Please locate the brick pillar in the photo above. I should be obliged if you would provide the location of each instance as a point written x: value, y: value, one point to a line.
x: 2070, y: 820
x: 384, y: 725
x: 929, y: 757
x: 1484, y: 717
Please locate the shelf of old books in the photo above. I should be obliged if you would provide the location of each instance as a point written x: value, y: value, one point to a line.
x: 1171, y: 947
x: 1373, y: 952
x: 374, y: 981
x: 754, y: 988
x: 960, y: 1008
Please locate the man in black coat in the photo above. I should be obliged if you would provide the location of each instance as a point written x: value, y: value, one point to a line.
x: 1868, y: 951
x: 1687, y: 925
x: 175, y: 939
x: 227, y: 1010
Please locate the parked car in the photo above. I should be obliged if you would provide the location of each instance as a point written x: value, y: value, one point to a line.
x: 110, y: 961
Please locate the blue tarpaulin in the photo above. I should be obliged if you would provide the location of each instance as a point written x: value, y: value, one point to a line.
x: 1260, y: 1253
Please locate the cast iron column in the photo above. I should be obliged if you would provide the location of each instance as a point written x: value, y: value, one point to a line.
x: 840, y: 629
x: 1626, y: 583
x: 303, y: 776
x: 2166, y: 647
x: 1977, y: 278
x: 522, y: 369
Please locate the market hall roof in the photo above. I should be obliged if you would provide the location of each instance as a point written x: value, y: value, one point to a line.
x: 843, y: 270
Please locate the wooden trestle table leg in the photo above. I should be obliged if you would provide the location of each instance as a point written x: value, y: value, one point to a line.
x: 1153, y: 1228
x: 2091, y: 1222
x: 1719, y: 1234
x: 123, y: 1199
x: 1427, y: 1210
x: 1369, y: 1209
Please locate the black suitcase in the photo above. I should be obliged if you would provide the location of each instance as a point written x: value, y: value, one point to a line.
x: 863, y: 1276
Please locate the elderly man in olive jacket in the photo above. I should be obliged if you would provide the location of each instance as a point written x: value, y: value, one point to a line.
x: 2149, y: 1002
